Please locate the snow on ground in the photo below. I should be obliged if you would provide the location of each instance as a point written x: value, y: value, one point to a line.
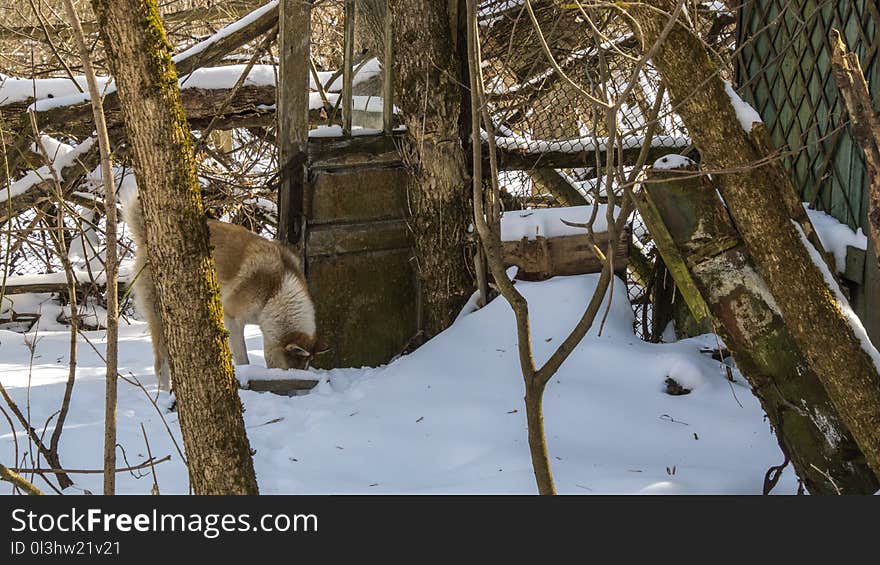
x: 448, y: 418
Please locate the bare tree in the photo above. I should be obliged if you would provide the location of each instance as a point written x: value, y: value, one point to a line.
x: 179, y: 259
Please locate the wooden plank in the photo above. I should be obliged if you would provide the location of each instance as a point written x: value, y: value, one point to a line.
x: 340, y: 239
x: 281, y: 386
x: 855, y: 265
x: 366, y: 306
x: 293, y: 115
x: 358, y: 194
x: 871, y: 291
x: 13, y: 288
x: 542, y: 258
x: 338, y: 152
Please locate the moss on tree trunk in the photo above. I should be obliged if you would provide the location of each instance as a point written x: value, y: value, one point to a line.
x: 808, y: 427
x: 217, y: 449
x: 759, y: 212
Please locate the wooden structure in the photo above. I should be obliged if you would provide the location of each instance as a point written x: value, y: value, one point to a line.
x: 784, y: 70
x: 541, y: 258
x: 342, y: 203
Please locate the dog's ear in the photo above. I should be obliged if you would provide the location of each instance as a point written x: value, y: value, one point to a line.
x: 296, y: 350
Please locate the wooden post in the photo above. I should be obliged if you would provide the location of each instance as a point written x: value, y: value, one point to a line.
x: 293, y: 116
x: 704, y: 243
x: 347, y: 66
x: 388, y: 73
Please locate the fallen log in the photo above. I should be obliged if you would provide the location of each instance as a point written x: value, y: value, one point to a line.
x: 204, y: 54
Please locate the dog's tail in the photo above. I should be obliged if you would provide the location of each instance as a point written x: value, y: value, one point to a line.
x: 133, y: 215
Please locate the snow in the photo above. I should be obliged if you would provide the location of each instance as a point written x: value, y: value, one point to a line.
x: 842, y: 303
x: 835, y: 236
x: 62, y: 155
x: 226, y: 31
x: 668, y: 162
x: 717, y: 7
x: 13, y: 89
x: 547, y: 222
x: 336, y: 131
x: 746, y: 115
x: 447, y: 418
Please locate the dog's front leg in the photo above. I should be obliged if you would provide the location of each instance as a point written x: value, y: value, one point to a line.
x: 236, y: 340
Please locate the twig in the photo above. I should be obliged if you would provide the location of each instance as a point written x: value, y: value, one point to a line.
x: 150, y: 455
x: 145, y: 464
x: 71, y: 283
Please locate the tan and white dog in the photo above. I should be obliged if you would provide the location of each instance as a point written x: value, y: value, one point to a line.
x: 261, y: 282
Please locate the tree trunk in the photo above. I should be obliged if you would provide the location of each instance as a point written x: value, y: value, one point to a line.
x: 217, y: 449
x: 818, y: 322
x: 429, y: 94
x: 808, y: 427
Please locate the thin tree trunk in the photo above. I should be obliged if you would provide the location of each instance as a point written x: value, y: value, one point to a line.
x: 217, y: 449
x: 816, y: 319
x: 430, y: 96
x: 110, y: 262
x: 61, y: 247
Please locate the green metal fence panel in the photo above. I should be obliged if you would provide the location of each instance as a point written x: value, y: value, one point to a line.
x: 784, y: 70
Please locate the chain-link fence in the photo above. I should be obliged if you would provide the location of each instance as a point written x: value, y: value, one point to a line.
x: 573, y: 104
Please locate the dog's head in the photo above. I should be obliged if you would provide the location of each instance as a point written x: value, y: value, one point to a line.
x: 293, y: 351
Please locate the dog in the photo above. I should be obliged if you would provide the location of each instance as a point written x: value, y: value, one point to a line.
x: 261, y: 282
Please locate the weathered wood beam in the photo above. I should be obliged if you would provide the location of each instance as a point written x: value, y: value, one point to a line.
x: 541, y: 258
x: 865, y: 124
x: 704, y: 242
x: 228, y: 44
x: 522, y: 159
x: 13, y: 288
x: 198, y: 103
x: 285, y: 387
x: 294, y: 20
